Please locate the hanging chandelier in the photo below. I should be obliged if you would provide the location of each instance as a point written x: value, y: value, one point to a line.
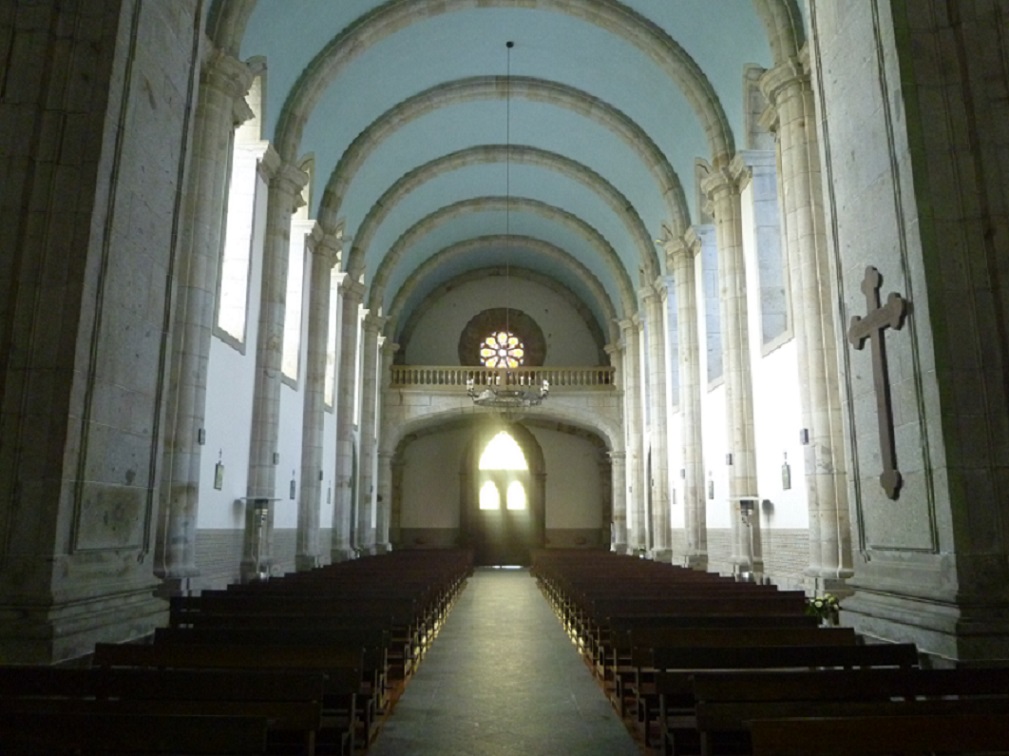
x: 505, y: 391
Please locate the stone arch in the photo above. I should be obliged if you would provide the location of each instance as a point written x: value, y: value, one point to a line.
x: 620, y: 205
x: 443, y: 215
x: 480, y: 436
x: 785, y: 32
x: 404, y: 335
x: 226, y: 26
x: 491, y: 87
x: 570, y: 414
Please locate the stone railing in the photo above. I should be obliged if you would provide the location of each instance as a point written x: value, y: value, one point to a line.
x: 432, y: 376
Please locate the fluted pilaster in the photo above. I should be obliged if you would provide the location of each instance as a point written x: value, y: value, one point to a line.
x: 657, y: 423
x: 325, y: 250
x: 681, y: 257
x: 352, y: 293
x: 220, y: 109
x: 787, y: 88
x: 722, y: 190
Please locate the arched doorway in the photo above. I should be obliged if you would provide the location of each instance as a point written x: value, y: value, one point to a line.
x: 503, y: 513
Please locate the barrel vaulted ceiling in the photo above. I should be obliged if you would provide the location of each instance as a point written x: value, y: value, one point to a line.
x: 407, y: 106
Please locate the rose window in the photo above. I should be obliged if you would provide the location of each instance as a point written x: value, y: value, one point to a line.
x: 502, y: 349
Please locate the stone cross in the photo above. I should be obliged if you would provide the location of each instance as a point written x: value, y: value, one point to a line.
x: 878, y: 318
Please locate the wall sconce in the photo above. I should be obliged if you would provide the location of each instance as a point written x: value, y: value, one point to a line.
x: 219, y: 471
x: 786, y: 474
x: 294, y: 486
x: 711, y: 486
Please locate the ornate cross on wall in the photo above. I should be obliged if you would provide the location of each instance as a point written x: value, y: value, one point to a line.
x: 878, y: 318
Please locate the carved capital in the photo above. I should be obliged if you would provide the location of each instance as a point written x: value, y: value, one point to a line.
x: 325, y: 248
x: 373, y: 324
x: 352, y: 290
x: 784, y: 81
x: 740, y: 171
x: 290, y: 180
x: 718, y: 184
x: 227, y: 75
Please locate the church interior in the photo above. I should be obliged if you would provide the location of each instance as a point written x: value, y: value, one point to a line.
x: 290, y: 285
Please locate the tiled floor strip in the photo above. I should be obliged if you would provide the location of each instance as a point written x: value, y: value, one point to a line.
x: 503, y: 679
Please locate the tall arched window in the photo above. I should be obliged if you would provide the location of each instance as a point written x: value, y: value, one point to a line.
x: 503, y: 470
x: 236, y: 256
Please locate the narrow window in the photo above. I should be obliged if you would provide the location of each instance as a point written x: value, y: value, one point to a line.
x: 236, y: 255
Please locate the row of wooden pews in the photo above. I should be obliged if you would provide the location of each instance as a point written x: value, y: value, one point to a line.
x: 304, y: 664
x: 697, y: 663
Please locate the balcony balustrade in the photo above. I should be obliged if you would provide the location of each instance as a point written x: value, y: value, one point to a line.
x: 451, y: 376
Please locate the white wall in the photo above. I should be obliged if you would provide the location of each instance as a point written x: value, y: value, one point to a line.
x: 435, y: 339
x: 430, y: 496
x: 573, y: 495
x: 776, y: 404
x: 230, y: 383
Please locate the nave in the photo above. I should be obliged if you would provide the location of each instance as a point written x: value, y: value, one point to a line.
x: 503, y: 679
x: 416, y: 653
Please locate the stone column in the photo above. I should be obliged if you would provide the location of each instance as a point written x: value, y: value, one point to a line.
x: 324, y: 256
x: 618, y: 477
x: 787, y: 88
x: 396, y: 502
x: 383, y: 503
x: 618, y: 535
x: 681, y: 259
x: 722, y: 190
x: 284, y: 198
x: 220, y: 109
x: 366, y: 495
x: 343, y: 508
x: 636, y: 534
x: 658, y: 431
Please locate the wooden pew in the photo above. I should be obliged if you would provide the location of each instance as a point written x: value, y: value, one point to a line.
x: 964, y: 733
x: 342, y: 669
x: 727, y: 701
x: 31, y: 733
x: 600, y: 647
x: 290, y: 702
x: 408, y: 641
x: 634, y: 682
x: 677, y: 668
x: 374, y: 641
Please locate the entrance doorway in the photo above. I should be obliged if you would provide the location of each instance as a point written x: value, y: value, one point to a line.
x: 503, y: 526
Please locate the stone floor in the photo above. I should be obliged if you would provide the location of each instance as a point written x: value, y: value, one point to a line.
x: 503, y: 679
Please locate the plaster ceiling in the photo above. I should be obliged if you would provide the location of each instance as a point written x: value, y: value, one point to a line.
x: 406, y: 106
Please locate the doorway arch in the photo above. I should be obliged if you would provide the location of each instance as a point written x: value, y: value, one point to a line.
x: 500, y: 527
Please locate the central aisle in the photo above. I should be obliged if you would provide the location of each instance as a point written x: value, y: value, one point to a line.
x: 503, y: 679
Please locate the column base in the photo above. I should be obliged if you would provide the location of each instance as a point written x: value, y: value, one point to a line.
x: 694, y: 562
x: 383, y: 548
x: 342, y: 554
x: 619, y: 548
x: 662, y: 555
x: 948, y: 633
x: 47, y: 634
x: 175, y: 586
x: 306, y: 562
x: 835, y: 582
x: 249, y: 570
x: 748, y: 572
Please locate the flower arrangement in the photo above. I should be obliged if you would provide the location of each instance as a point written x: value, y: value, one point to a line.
x: 826, y: 607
